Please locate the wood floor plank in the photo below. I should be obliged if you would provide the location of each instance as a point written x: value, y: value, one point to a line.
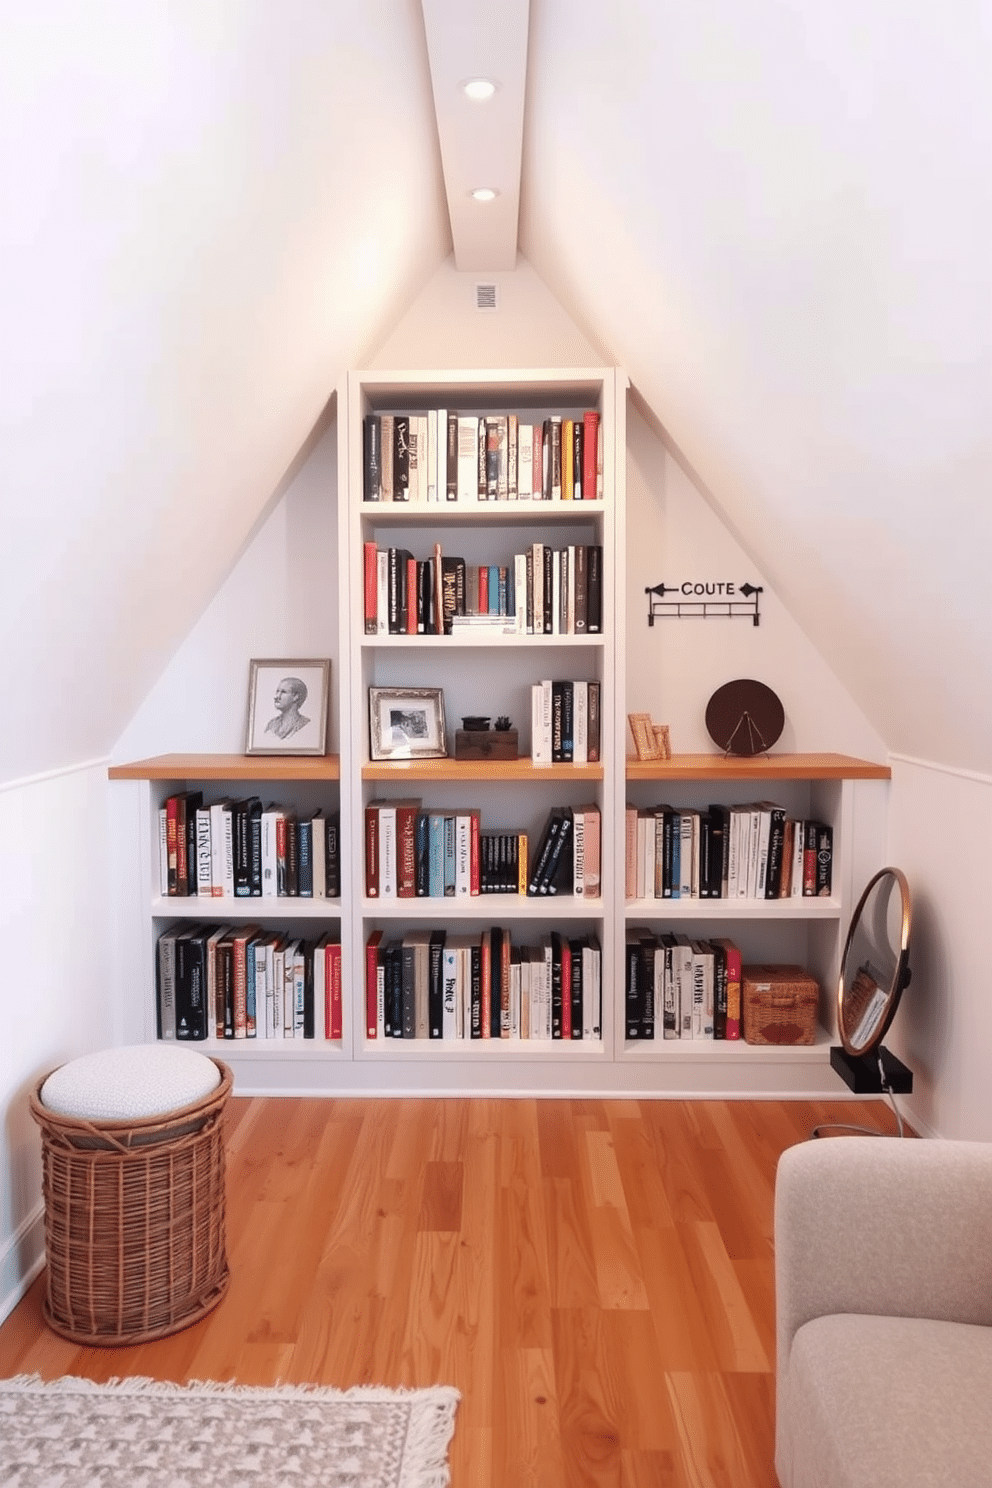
x: 595, y: 1276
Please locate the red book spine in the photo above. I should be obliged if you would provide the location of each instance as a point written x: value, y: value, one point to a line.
x: 171, y: 842
x: 486, y: 986
x: 538, y: 466
x: 475, y: 854
x: 371, y: 589
x: 406, y: 851
x: 590, y: 446
x: 566, y: 989
x: 332, y: 990
x: 372, y: 984
x: 411, y: 596
x: 483, y: 589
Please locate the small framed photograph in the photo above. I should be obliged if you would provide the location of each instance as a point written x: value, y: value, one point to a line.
x: 642, y: 731
x: 288, y: 706
x: 663, y: 739
x: 406, y: 723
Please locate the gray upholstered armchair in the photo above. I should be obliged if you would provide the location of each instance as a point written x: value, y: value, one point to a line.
x: 883, y: 1274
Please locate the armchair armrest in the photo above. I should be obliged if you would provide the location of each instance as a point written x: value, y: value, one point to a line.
x: 883, y: 1226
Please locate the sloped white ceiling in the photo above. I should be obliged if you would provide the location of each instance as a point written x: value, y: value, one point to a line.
x: 774, y: 213
x: 209, y: 211
x: 777, y: 215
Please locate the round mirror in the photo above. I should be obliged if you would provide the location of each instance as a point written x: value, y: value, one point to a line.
x: 875, y: 965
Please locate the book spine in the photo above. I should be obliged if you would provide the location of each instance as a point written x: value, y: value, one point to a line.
x: 372, y: 451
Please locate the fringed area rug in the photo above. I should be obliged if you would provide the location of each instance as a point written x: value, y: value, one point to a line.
x: 139, y: 1433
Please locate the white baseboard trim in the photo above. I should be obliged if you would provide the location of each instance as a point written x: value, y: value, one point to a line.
x: 21, y: 1258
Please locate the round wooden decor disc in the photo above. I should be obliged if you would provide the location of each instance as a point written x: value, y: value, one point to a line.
x: 745, y: 717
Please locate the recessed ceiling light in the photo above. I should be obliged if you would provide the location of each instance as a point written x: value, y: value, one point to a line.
x: 479, y: 89
x: 484, y: 194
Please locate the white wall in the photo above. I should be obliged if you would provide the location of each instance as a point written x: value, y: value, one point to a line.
x: 280, y: 599
x: 55, y: 887
x: 940, y: 828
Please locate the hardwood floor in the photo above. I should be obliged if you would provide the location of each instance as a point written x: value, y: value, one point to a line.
x: 595, y: 1276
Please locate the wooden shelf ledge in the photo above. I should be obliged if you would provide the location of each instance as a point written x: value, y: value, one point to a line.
x: 452, y: 769
x: 230, y: 767
x: 758, y: 767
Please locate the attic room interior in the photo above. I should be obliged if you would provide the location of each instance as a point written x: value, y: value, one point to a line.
x: 752, y: 240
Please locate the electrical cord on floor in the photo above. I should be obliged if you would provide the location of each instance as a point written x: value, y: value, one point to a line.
x: 867, y: 1131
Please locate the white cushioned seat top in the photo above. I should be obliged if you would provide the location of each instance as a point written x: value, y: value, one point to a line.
x: 126, y: 1084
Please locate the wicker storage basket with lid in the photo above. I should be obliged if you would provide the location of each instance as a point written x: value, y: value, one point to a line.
x: 779, y: 1004
x: 133, y: 1175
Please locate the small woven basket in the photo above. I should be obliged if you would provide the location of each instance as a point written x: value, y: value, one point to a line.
x: 779, y: 1005
x: 134, y: 1220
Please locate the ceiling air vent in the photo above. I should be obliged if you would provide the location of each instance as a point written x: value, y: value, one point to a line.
x: 486, y: 297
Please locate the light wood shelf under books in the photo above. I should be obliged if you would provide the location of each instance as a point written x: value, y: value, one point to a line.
x: 705, y: 767
x: 482, y: 907
x: 523, y: 770
x: 481, y: 513
x: 230, y: 767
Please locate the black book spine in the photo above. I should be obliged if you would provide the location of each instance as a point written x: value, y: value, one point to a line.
x: 435, y: 986
x: 556, y: 986
x: 776, y: 843
x: 309, y: 1008
x: 567, y: 722
x: 255, y: 847
x: 452, y: 463
x: 496, y: 980
x: 594, y: 588
x: 575, y: 947
x: 824, y: 859
x: 408, y: 978
x: 292, y: 856
x: 373, y: 457
x: 401, y: 457
x: 557, y: 708
x: 332, y: 855
x: 394, y: 990
x: 191, y: 987
x: 719, y: 991
x: 421, y: 854
x: 242, y: 850
x: 544, y: 849
x: 646, y: 984
x: 559, y: 875
x: 549, y: 589
x: 304, y: 884
x: 632, y: 990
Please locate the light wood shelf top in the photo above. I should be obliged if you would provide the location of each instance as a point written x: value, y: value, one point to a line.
x: 452, y: 769
x: 230, y: 767
x: 759, y: 767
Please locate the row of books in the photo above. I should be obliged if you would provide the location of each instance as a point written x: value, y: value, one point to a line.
x: 750, y: 851
x: 440, y: 984
x: 244, y: 982
x: 565, y: 721
x: 541, y: 591
x: 242, y: 849
x: 414, y: 853
x: 441, y: 456
x: 675, y: 987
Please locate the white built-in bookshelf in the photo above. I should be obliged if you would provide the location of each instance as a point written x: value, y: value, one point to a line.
x: 489, y: 672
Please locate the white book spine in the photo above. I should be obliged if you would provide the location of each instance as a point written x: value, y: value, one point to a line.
x: 685, y: 855
x: 468, y: 459
x: 228, y: 824
x: 449, y: 992
x: 270, y: 865
x: 163, y: 852
x: 299, y: 992
x: 580, y: 723
x: 204, y: 864
x: 520, y: 593
x: 578, y: 851
x: 432, y: 454
x: 525, y: 461
x: 319, y: 988
x: 463, y: 856
x: 387, y: 852
x: 441, y: 456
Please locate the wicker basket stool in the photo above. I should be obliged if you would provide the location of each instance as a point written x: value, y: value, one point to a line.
x: 133, y: 1181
